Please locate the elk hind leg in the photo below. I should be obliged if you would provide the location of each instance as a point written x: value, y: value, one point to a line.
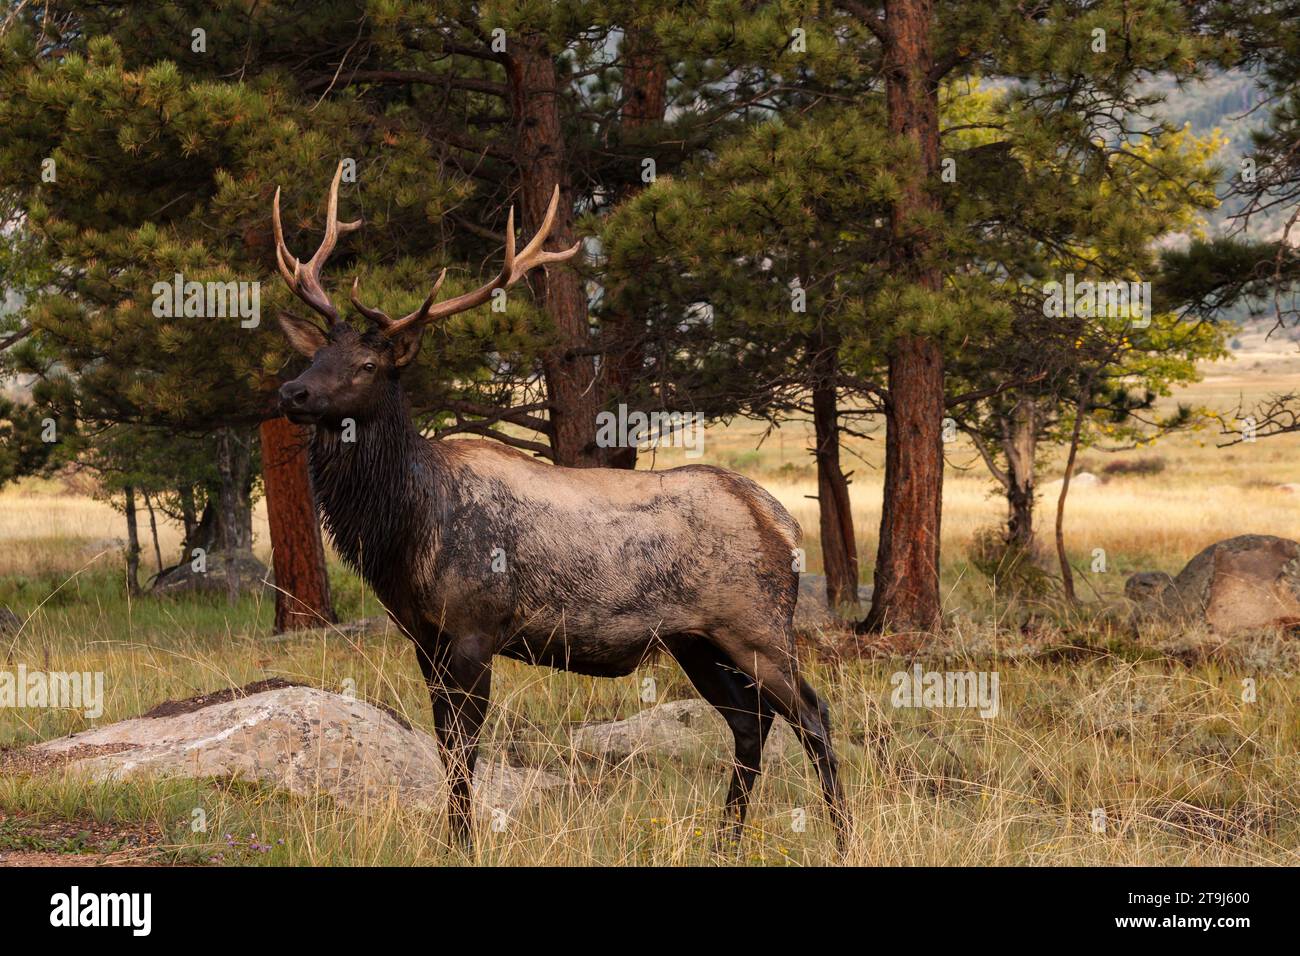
x: 772, y: 665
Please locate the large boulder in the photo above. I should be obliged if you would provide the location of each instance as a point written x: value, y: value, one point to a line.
x: 251, y: 573
x: 1250, y: 582
x: 675, y: 729
x: 812, y: 612
x: 299, y: 738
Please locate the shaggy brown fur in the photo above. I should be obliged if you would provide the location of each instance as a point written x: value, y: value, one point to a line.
x: 478, y: 550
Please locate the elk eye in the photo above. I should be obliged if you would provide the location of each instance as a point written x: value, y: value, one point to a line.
x: 369, y: 366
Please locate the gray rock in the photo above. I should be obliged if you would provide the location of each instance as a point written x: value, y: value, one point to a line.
x: 361, y: 627
x: 1247, y: 583
x: 813, y: 613
x: 303, y: 740
x: 675, y: 729
x: 1146, y: 585
x: 182, y: 579
x: 1084, y: 479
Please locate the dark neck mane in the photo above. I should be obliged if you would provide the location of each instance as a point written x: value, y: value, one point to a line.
x: 377, y: 494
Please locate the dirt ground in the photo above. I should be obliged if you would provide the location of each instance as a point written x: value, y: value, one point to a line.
x: 27, y: 841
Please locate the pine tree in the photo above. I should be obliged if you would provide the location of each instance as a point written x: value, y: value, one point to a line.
x: 757, y: 264
x: 1039, y: 219
x: 939, y: 280
x: 1076, y: 69
x: 126, y: 166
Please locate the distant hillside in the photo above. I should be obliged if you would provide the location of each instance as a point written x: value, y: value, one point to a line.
x: 1230, y: 103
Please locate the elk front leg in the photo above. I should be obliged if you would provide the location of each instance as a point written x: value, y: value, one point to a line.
x: 459, y: 674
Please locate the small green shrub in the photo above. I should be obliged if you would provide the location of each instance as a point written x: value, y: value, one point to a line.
x: 1010, y: 567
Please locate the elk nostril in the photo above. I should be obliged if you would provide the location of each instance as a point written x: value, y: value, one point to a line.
x: 294, y: 394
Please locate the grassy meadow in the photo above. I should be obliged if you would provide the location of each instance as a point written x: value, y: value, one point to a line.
x: 1144, y: 729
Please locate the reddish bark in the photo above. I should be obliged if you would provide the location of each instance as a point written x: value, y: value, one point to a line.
x: 302, y: 597
x: 645, y: 81
x: 906, y: 596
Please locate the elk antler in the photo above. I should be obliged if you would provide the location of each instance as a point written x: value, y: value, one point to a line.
x: 513, y: 269
x: 305, y: 282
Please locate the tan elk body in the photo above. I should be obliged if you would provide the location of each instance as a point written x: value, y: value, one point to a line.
x: 478, y: 550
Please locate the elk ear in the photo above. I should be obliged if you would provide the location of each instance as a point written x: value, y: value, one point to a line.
x: 303, y: 334
x: 406, y: 346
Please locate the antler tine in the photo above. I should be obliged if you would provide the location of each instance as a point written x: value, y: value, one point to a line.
x: 377, y: 316
x: 282, y: 254
x: 533, y: 254
x: 306, y: 283
x: 514, y: 267
x: 536, y: 242
x: 381, y: 318
x: 333, y: 228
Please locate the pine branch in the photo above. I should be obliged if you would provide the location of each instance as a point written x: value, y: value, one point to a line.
x: 867, y: 18
x: 492, y: 414
x: 15, y: 337
x: 412, y: 77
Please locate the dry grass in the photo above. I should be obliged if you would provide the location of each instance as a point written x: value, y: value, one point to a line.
x: 1184, y: 769
x: 1149, y: 727
x: 46, y: 530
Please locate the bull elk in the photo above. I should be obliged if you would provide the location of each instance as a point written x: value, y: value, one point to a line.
x: 602, y: 568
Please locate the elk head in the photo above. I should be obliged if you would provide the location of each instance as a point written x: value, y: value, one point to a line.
x: 350, y: 370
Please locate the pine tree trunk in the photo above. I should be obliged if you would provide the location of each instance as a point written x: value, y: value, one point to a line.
x: 839, y: 545
x: 153, y: 529
x: 228, y: 523
x: 1067, y: 576
x: 568, y: 368
x: 906, y: 596
x: 1020, y: 445
x: 645, y: 97
x: 1020, y: 516
x: 302, y: 597
x: 132, y: 544
x: 234, y: 508
x: 835, y: 512
x: 906, y: 590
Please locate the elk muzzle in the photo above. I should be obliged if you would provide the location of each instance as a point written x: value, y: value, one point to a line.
x: 297, y: 404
